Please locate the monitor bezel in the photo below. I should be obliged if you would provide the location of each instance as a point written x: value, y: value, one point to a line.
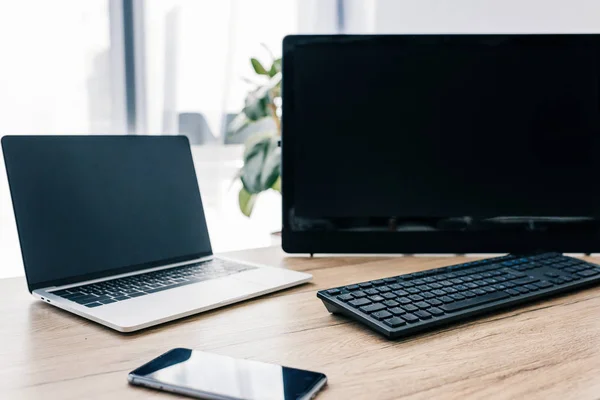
x: 405, y: 242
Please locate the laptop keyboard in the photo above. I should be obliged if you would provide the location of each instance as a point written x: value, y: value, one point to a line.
x: 121, y: 289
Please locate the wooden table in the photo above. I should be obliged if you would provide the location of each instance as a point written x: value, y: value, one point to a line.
x: 550, y: 349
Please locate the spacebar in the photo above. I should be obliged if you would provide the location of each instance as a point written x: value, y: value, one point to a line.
x: 477, y: 301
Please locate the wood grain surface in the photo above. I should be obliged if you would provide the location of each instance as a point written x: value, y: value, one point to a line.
x: 548, y: 350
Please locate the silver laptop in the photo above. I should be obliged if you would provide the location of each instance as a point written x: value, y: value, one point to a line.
x: 112, y: 228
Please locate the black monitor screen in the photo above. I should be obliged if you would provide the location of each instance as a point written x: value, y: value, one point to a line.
x: 88, y: 205
x: 442, y: 131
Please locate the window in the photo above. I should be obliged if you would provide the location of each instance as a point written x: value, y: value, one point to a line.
x: 57, y: 73
x: 197, y: 53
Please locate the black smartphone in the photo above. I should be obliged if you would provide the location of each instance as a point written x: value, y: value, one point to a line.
x: 211, y: 376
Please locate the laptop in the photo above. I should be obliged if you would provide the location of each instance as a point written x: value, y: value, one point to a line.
x: 112, y: 228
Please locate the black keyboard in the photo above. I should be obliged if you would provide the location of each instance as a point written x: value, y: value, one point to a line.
x: 407, y: 304
x: 121, y: 289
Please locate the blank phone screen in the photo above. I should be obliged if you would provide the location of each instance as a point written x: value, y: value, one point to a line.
x: 228, y: 377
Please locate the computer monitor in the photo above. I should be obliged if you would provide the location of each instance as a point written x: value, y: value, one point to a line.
x: 441, y: 143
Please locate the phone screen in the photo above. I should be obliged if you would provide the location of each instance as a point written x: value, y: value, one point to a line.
x: 226, y: 377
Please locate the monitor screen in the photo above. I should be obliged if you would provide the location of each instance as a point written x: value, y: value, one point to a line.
x: 441, y: 131
x: 89, y: 206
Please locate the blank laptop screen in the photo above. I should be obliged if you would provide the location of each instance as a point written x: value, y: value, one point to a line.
x: 91, y: 206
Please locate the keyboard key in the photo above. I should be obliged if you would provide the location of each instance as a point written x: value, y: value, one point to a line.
x: 521, y: 289
x: 422, y: 305
x: 395, y: 286
x: 92, y: 305
x: 345, y: 297
x: 532, y: 288
x: 468, y: 294
x: 413, y: 290
x: 381, y: 314
x: 365, y: 285
x: 401, y: 293
x: 403, y: 300
x: 415, y: 297
x: 551, y: 274
x: 423, y: 314
x: 526, y: 280
x: 474, y: 302
x: 359, y: 302
x: 390, y: 280
x: 159, y: 289
x: 378, y: 282
x: 394, y: 322
x: 384, y: 289
x: 410, y: 318
x: 446, y: 299
x: 512, y: 292
x: 376, y: 298
x: 438, y: 292
x: 352, y: 287
x: 107, y: 301
x: 434, y: 302
x: 588, y: 272
x: 543, y: 284
x: 389, y: 295
x: 435, y: 311
x: 121, y: 298
x: 457, y: 296
x: 371, y: 292
x: 372, y: 308
x: 397, y: 311
x: 88, y: 299
x: 410, y: 308
x: 138, y: 294
x: 391, y: 303
x: 358, y: 294
x: 427, y: 295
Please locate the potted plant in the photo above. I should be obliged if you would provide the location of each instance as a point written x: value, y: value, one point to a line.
x: 262, y: 154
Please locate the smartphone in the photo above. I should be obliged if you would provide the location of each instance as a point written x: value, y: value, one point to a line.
x: 211, y: 376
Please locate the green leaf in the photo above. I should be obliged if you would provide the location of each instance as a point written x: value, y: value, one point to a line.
x: 277, y: 184
x: 257, y: 102
x: 262, y: 163
x: 256, y: 107
x: 275, y: 67
x: 246, y: 202
x: 258, y: 67
x: 238, y: 124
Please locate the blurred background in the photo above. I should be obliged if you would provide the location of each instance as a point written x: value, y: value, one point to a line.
x: 191, y: 67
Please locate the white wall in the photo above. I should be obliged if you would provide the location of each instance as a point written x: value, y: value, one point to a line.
x: 487, y: 16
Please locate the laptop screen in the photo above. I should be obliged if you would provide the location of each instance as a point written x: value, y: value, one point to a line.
x: 92, y: 206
